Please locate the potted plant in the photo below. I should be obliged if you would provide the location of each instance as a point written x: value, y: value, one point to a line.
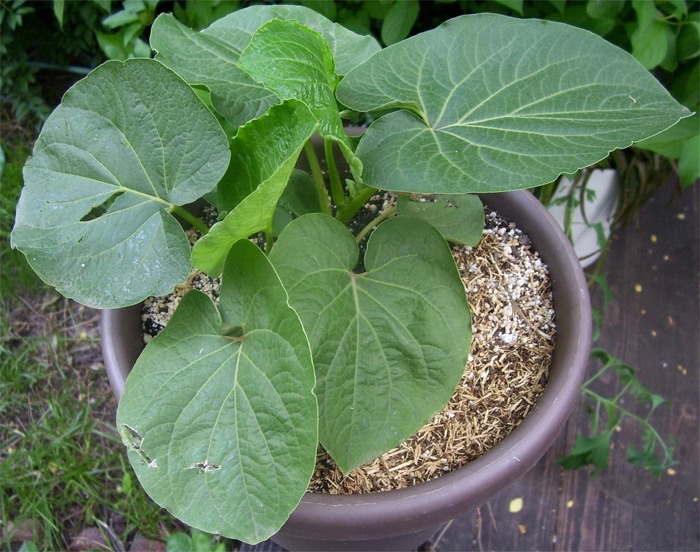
x: 223, y: 411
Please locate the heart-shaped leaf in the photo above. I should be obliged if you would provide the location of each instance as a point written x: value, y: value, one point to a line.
x: 111, y: 162
x: 459, y: 218
x: 295, y: 62
x: 200, y: 58
x: 496, y: 103
x: 390, y: 344
x: 259, y: 177
x: 218, y: 413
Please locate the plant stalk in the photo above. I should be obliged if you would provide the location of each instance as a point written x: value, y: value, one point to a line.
x: 317, y: 175
x: 355, y: 203
x: 189, y: 217
x: 391, y: 211
x: 268, y: 238
x: 76, y: 70
x: 337, y: 192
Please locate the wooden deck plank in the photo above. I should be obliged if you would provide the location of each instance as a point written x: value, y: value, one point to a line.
x: 652, y: 324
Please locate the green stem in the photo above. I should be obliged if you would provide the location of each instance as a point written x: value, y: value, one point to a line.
x: 570, y: 206
x: 599, y: 373
x: 337, y: 191
x: 56, y: 67
x: 268, y: 238
x: 317, y: 175
x: 374, y: 222
x: 355, y: 203
x: 583, y: 196
x: 189, y: 217
x: 546, y: 192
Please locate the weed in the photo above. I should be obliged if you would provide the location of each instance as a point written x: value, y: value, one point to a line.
x: 607, y: 413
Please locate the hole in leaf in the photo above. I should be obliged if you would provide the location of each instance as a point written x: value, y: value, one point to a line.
x: 205, y: 467
x: 130, y: 436
x: 133, y: 440
x: 99, y: 210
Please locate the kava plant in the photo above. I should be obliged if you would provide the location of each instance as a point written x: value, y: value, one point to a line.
x: 224, y: 410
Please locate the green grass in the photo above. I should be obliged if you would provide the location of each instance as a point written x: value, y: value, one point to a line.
x: 62, y: 464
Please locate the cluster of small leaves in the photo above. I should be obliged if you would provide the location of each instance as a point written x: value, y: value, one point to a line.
x: 666, y: 39
x: 121, y: 37
x: 391, y: 21
x: 31, y: 40
x: 654, y: 453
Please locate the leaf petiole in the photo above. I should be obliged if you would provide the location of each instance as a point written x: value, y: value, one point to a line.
x: 352, y: 206
x: 337, y: 192
x: 317, y: 175
x: 189, y: 217
x: 391, y: 211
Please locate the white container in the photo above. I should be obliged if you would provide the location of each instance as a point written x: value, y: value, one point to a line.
x: 592, y: 218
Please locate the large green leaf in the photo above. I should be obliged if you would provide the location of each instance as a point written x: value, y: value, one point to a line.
x: 389, y: 344
x: 492, y: 103
x: 110, y: 163
x: 218, y: 413
x: 260, y: 176
x: 200, y: 58
x: 296, y: 62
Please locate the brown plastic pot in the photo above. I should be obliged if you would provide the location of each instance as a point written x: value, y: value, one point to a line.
x: 406, y: 518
